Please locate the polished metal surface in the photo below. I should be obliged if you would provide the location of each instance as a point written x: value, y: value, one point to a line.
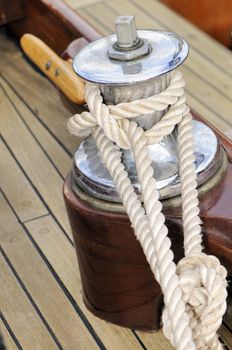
x: 176, y: 201
x: 93, y: 64
x: 124, y: 93
x: 92, y: 177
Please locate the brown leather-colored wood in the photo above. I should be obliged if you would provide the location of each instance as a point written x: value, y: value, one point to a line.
x: 118, y: 284
x: 11, y: 10
x: 53, y: 22
x: 212, y: 16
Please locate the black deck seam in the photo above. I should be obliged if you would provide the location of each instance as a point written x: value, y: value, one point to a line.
x: 31, y: 132
x: 66, y: 291
x: 36, y: 191
x: 193, y: 46
x: 35, y: 218
x: 36, y: 115
x: 227, y: 327
x: 139, y: 340
x: 10, y: 331
x: 225, y: 347
x: 58, y: 280
x: 209, y: 108
x: 33, y: 303
x: 208, y: 83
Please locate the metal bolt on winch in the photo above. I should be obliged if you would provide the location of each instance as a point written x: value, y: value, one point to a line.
x: 128, y: 45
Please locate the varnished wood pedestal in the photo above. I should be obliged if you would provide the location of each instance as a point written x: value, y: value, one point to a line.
x: 118, y: 284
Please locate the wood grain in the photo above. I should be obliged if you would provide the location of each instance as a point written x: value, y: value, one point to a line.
x: 33, y: 160
x: 31, y: 86
x: 7, y: 339
x: 18, y: 311
x: 56, y: 153
x: 41, y: 285
x: 80, y: 3
x: 55, y: 68
x: 18, y: 189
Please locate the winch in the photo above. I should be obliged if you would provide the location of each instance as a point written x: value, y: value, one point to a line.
x: 128, y: 66
x: 132, y: 195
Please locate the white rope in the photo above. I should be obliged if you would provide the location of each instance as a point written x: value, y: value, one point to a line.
x: 194, y: 290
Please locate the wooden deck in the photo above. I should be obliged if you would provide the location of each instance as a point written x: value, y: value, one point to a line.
x: 40, y: 294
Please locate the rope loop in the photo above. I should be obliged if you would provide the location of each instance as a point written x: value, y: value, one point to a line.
x: 195, y: 289
x: 203, y: 284
x: 109, y: 117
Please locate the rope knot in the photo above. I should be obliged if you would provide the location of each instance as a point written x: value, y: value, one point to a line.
x: 203, y: 284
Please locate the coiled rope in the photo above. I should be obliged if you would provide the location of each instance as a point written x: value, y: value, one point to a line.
x: 195, y: 289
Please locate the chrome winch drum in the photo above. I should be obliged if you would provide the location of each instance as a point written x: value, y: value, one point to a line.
x: 127, y: 66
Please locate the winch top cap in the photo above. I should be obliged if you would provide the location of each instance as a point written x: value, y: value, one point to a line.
x: 109, y: 61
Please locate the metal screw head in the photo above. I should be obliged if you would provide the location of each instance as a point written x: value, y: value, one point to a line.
x: 126, y: 32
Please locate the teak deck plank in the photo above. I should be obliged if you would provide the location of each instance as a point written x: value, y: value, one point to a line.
x: 81, y: 3
x: 33, y: 160
x: 18, y: 189
x: 7, y: 338
x: 56, y: 153
x: 63, y: 320
x: 24, y: 321
x: 36, y: 92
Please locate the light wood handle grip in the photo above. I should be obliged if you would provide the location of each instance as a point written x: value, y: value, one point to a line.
x: 54, y: 67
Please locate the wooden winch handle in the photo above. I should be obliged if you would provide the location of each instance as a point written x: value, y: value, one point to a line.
x: 55, y: 68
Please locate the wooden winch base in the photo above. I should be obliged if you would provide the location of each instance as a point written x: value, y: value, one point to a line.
x: 118, y: 285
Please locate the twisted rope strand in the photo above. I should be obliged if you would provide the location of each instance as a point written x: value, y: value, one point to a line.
x: 194, y: 290
x: 189, y: 194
